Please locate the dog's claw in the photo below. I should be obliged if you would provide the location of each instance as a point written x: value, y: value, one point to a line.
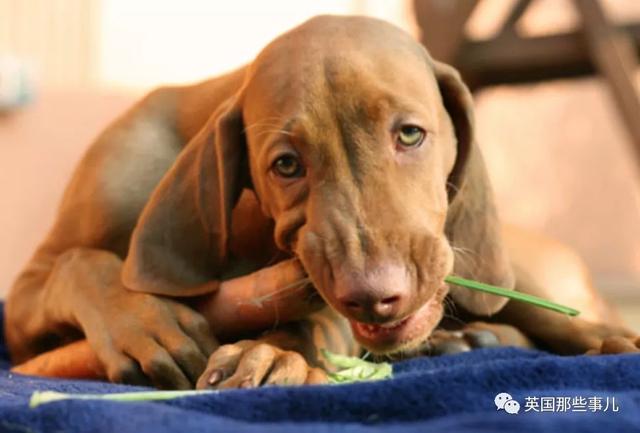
x: 215, y: 377
x: 451, y: 347
x: 481, y: 338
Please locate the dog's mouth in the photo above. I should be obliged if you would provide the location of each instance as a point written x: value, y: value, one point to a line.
x: 404, y: 334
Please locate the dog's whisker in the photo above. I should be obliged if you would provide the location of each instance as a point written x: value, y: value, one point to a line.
x: 449, y: 307
x: 259, y: 124
x: 464, y: 252
x: 456, y: 319
x: 268, y: 119
x: 453, y: 186
x: 275, y: 131
x: 466, y: 256
x: 273, y: 122
x: 259, y: 300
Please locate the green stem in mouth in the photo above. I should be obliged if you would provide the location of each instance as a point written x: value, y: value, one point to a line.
x: 512, y: 294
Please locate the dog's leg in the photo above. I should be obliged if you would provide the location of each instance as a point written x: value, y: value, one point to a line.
x: 549, y: 269
x: 140, y: 338
x: 568, y: 335
x: 288, y: 355
x: 72, y: 284
x: 561, y: 333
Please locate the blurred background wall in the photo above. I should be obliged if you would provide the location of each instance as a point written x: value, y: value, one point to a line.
x: 558, y: 154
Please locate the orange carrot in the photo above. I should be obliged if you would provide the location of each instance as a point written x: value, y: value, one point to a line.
x: 76, y: 360
x: 277, y: 294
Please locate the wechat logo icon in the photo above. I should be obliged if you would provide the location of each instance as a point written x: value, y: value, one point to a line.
x: 505, y: 402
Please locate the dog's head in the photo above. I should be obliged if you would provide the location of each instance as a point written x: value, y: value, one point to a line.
x: 361, y: 148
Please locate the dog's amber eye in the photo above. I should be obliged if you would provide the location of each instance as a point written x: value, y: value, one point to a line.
x: 410, y: 136
x: 288, y: 166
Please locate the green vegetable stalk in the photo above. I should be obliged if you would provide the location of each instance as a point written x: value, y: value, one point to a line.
x: 42, y: 397
x: 351, y: 370
x: 517, y: 296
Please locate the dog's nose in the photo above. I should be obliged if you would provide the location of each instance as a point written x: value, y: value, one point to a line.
x: 372, y: 308
x: 380, y: 295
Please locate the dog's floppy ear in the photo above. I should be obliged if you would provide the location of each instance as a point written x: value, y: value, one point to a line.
x: 179, y: 245
x: 472, y: 225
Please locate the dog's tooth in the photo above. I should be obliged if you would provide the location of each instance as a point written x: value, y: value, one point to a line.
x: 393, y: 325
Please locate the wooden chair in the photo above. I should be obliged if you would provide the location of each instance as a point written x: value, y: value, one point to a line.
x: 596, y: 47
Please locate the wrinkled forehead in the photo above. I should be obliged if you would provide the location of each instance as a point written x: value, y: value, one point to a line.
x: 335, y: 65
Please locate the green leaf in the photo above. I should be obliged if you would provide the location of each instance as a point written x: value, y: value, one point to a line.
x: 355, y: 369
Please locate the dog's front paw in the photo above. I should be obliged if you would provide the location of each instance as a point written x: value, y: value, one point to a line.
x: 249, y: 364
x: 444, y: 342
x: 475, y: 335
x: 616, y: 345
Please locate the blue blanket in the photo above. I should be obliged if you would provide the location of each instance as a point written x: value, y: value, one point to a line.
x: 544, y: 393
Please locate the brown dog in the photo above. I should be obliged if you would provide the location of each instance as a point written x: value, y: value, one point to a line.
x: 343, y: 144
